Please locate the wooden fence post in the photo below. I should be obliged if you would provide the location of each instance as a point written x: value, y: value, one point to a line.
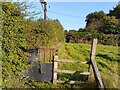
x: 44, y: 54
x: 92, y: 55
x: 38, y: 54
x: 55, y: 66
x: 94, y: 65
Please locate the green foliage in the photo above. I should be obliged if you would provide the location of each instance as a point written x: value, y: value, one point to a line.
x: 115, y: 12
x: 86, y: 37
x: 13, y: 37
x: 107, y: 58
x: 99, y: 22
x: 95, y: 16
x: 20, y: 34
x: 109, y: 25
x: 44, y: 33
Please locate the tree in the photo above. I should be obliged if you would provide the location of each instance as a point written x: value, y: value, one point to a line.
x: 115, y: 12
x: 93, y: 21
x: 109, y: 25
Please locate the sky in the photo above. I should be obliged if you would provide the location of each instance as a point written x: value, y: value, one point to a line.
x: 72, y: 15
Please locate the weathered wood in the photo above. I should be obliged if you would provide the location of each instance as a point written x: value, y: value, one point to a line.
x: 94, y: 65
x: 65, y: 71
x: 65, y: 60
x: 44, y: 55
x: 55, y: 66
x: 50, y: 55
x: 69, y: 82
x: 71, y: 72
x: 71, y: 61
x: 38, y: 54
x: 46, y: 48
x: 85, y: 73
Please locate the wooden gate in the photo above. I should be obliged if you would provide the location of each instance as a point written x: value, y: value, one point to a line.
x: 45, y: 55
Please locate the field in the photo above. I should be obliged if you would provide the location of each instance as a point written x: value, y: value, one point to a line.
x: 107, y: 58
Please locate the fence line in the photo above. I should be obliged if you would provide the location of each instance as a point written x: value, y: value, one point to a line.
x: 92, y: 63
x: 56, y: 70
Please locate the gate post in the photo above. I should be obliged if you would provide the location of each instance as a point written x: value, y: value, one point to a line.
x: 55, y: 66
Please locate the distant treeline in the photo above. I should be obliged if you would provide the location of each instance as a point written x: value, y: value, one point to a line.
x: 105, y: 27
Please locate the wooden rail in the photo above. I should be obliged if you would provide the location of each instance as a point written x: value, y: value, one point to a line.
x: 72, y: 61
x: 69, y: 82
x: 72, y: 72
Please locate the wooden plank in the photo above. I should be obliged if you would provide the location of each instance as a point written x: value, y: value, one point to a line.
x: 50, y: 55
x: 65, y: 60
x: 46, y: 48
x: 44, y: 55
x: 71, y: 61
x: 69, y: 82
x: 65, y: 71
x: 71, y: 72
x: 94, y: 65
x: 85, y: 73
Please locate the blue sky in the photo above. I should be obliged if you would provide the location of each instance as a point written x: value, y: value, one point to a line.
x: 72, y: 15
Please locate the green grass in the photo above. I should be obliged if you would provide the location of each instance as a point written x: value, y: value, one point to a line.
x: 107, y: 58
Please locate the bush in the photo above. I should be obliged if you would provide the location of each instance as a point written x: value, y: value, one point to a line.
x: 45, y: 33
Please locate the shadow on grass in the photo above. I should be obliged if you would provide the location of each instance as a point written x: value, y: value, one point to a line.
x: 64, y: 76
x: 108, y: 58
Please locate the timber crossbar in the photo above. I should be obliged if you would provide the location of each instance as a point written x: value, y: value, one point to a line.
x: 71, y: 72
x: 69, y: 82
x: 71, y: 61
